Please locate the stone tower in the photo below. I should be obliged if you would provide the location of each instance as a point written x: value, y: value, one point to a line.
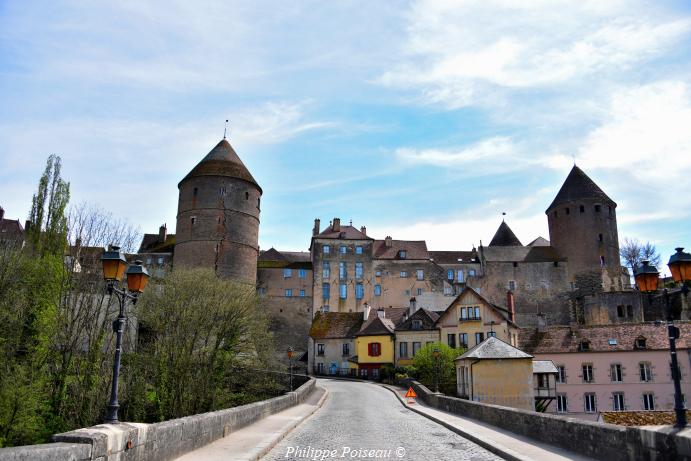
x: 218, y: 216
x: 582, y: 223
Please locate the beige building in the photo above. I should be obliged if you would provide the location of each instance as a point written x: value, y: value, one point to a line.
x: 497, y: 373
x: 471, y: 318
x: 413, y: 333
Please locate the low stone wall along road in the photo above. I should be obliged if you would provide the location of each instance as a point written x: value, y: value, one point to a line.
x: 364, y: 421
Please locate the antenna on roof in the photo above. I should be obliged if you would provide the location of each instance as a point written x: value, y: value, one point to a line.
x: 225, y: 130
x: 351, y: 222
x: 503, y: 213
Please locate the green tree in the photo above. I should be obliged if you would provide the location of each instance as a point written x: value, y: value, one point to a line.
x: 426, y: 366
x: 48, y: 230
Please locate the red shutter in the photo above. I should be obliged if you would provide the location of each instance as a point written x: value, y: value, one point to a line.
x: 369, y: 349
x: 377, y: 349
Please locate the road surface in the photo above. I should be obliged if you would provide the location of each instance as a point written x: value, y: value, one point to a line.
x: 361, y: 420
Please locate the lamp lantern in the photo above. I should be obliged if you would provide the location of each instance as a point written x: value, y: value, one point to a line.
x: 646, y: 277
x: 680, y: 266
x: 137, y: 277
x: 114, y: 264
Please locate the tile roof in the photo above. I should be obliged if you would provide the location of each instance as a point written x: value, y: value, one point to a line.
x: 544, y: 366
x: 521, y: 254
x: 273, y: 254
x: 578, y: 186
x: 428, y: 318
x: 494, y: 348
x: 11, y: 229
x: 346, y: 232
x: 560, y: 339
x: 504, y: 237
x: 453, y: 257
x: 502, y: 311
x: 152, y: 244
x: 374, y: 325
x: 222, y: 161
x: 335, y: 325
x: 539, y: 242
x: 415, y: 249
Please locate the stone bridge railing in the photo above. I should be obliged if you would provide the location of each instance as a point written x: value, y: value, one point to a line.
x: 597, y: 440
x: 153, y: 442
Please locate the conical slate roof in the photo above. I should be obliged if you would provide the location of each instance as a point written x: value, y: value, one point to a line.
x: 578, y: 186
x: 504, y: 237
x: 222, y: 161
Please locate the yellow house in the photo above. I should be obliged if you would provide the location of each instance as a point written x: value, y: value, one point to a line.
x: 374, y: 343
x: 471, y: 318
x: 496, y: 372
x: 414, y: 333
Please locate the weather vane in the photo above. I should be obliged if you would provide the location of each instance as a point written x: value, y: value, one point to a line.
x: 225, y: 130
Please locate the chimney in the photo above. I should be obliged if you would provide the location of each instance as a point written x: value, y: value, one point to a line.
x: 162, y: 233
x: 413, y: 306
x: 2, y: 213
x: 511, y: 305
x: 365, y: 312
x: 363, y: 230
x: 317, y: 223
x: 388, y: 242
x: 336, y: 226
x: 381, y: 313
x: 27, y: 224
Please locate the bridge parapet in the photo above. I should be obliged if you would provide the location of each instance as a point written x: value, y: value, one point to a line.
x: 154, y: 442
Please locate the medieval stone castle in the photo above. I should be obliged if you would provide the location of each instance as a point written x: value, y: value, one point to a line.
x: 574, y: 277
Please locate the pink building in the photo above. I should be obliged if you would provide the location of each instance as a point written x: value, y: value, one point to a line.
x: 611, y: 367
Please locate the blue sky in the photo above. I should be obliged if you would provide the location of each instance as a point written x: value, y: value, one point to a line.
x: 420, y: 119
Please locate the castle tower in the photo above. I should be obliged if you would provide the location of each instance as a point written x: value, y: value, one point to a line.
x: 218, y: 216
x: 583, y: 228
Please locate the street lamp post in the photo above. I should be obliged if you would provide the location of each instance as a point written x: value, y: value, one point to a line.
x: 114, y: 264
x: 436, y: 354
x: 291, y: 352
x: 647, y: 281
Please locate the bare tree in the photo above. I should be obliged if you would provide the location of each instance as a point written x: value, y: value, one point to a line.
x: 633, y: 251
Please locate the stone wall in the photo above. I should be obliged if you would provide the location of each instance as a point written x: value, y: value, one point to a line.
x: 600, y: 441
x: 153, y: 442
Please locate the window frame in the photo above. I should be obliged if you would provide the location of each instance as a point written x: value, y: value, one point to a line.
x: 590, y: 396
x: 589, y: 370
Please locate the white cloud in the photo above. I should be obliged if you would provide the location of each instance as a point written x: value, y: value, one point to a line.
x: 487, y: 150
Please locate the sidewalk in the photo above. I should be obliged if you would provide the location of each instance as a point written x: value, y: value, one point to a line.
x: 252, y: 442
x: 499, y: 441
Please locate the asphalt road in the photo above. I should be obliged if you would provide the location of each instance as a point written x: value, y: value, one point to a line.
x: 358, y: 418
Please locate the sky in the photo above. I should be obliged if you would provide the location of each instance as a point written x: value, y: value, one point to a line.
x: 422, y: 119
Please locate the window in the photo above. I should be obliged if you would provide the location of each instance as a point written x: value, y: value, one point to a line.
x: 515, y: 264
x: 343, y: 250
x: 615, y: 372
x: 590, y: 403
x: 648, y: 402
x: 416, y: 347
x: 463, y: 339
x: 419, y: 291
x: 343, y: 291
x: 447, y: 290
x: 302, y: 273
x: 320, y: 368
x: 568, y: 211
x: 602, y: 261
x: 543, y: 380
x: 326, y: 290
x: 402, y: 254
x: 346, y: 349
x: 259, y: 202
x: 420, y: 274
x: 358, y: 271
x: 584, y: 345
x: 403, y: 350
x: 618, y: 401
x: 377, y: 290
x: 325, y: 308
x: 403, y: 274
x: 222, y: 191
x: 621, y: 312
x: 342, y: 272
x: 449, y: 274
x: 288, y: 292
x: 639, y: 343
x: 326, y: 249
x: 148, y: 261
x: 377, y: 273
x: 598, y: 208
x: 451, y: 340
x: 417, y: 324
x: 512, y: 285
x: 561, y: 374
x: 374, y: 349
x: 479, y: 337
x: 302, y: 293
x: 491, y: 334
x: 358, y: 250
x: 363, y: 372
x: 359, y: 291
x: 471, y: 273
x: 599, y: 237
x: 320, y: 349
x: 587, y: 372
x: 326, y: 270
x: 562, y: 403
x: 629, y: 312
x: 247, y: 195
x: 287, y: 273
x: 193, y: 219
x: 464, y: 313
x: 646, y: 373
x: 459, y: 276
x: 160, y: 260
x: 581, y: 209
x: 194, y: 192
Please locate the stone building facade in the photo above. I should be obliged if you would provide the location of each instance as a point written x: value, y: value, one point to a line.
x: 218, y: 216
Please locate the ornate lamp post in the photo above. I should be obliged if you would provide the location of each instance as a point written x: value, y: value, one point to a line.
x: 290, y: 352
x: 114, y: 264
x: 647, y: 282
x: 436, y: 354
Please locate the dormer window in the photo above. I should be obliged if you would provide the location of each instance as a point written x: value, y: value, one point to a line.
x: 417, y: 324
x: 640, y: 343
x: 402, y: 254
x: 584, y: 346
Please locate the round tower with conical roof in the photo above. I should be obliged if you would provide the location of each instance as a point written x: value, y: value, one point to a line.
x: 218, y: 216
x: 582, y: 223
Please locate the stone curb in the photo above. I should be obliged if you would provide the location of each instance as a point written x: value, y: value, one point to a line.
x: 489, y: 445
x: 272, y: 443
